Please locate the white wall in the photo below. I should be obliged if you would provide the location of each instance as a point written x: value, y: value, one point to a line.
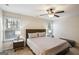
x: 1, y: 30
x: 67, y: 27
x: 32, y: 23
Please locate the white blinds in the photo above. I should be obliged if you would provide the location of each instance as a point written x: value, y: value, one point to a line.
x: 11, y: 24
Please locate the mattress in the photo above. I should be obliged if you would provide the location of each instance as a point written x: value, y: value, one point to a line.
x: 47, y: 45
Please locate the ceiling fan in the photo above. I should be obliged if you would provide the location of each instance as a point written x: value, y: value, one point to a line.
x: 51, y: 12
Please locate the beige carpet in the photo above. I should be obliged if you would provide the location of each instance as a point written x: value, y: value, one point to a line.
x: 26, y: 51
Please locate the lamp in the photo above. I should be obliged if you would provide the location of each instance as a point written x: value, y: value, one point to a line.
x: 50, y: 15
x: 50, y: 31
x: 18, y: 34
x: 49, y: 34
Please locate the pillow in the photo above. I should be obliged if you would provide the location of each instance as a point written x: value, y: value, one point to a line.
x: 42, y: 34
x: 32, y: 35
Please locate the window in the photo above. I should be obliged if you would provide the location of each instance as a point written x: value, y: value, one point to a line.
x: 49, y: 29
x: 11, y: 24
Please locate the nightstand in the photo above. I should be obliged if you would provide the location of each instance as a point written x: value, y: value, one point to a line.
x: 18, y: 44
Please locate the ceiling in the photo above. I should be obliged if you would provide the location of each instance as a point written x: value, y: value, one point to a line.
x: 37, y: 9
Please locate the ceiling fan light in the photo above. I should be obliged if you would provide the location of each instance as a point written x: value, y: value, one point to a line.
x: 50, y: 15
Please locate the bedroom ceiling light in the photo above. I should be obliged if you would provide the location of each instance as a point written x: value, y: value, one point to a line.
x: 50, y: 15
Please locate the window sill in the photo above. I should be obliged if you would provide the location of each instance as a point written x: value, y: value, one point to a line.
x: 9, y: 40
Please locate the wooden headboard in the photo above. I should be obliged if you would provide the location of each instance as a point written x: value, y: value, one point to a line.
x: 34, y: 31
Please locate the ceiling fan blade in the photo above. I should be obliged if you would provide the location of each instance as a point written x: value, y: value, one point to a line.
x: 43, y: 14
x: 59, y: 12
x: 56, y: 15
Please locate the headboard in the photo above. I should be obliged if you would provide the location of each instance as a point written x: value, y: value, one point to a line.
x: 34, y: 31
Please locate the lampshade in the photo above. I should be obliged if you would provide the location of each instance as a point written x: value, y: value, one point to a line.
x: 17, y: 32
x: 49, y: 31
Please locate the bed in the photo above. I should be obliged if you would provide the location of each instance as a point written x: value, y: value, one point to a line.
x: 46, y: 45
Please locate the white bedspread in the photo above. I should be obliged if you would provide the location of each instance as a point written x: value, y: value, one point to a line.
x: 46, y: 45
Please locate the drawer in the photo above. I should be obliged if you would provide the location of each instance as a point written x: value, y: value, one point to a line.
x: 18, y: 44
